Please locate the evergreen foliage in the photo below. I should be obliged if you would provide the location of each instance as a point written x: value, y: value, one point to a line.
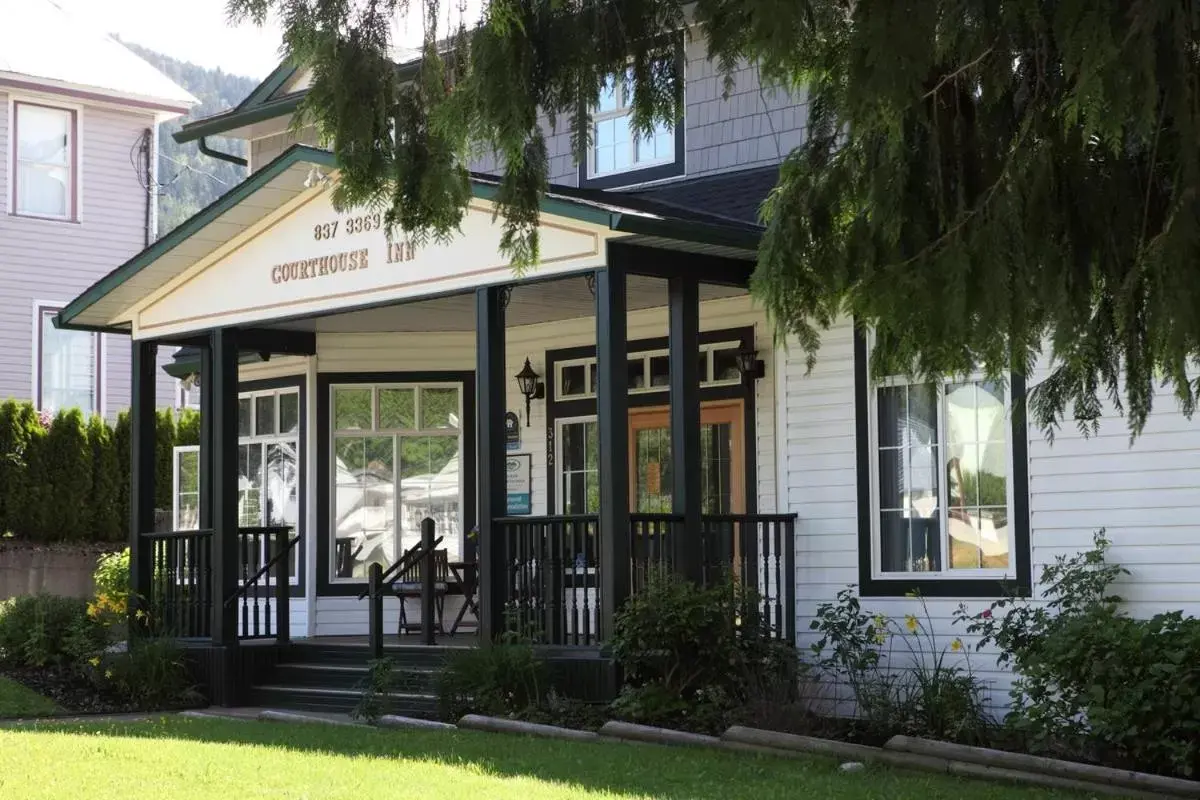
x: 979, y: 179
x: 69, y: 481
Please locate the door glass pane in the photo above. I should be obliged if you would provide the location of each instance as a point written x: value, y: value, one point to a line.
x: 716, y: 468
x: 580, y: 468
x: 430, y: 486
x: 283, y: 493
x: 652, y: 460
x: 397, y: 409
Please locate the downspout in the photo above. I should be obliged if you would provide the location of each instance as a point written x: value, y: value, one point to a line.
x: 221, y: 156
x: 149, y: 151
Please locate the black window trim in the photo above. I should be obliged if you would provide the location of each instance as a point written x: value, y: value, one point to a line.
x: 983, y: 587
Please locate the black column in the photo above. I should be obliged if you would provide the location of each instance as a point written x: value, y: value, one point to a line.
x: 224, y: 472
x: 141, y: 474
x: 206, y: 443
x: 684, y: 346
x: 612, y: 411
x: 490, y: 385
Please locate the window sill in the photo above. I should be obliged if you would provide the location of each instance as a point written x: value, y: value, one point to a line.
x: 965, y: 588
x: 630, y: 177
x: 43, y: 218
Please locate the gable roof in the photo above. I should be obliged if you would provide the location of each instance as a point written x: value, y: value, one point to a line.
x: 42, y: 44
x: 286, y: 177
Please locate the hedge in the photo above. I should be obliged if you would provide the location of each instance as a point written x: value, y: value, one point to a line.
x: 66, y: 478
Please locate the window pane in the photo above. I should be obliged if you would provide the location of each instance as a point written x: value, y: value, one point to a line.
x: 977, y: 471
x: 250, y: 485
x: 909, y: 543
x: 430, y: 486
x: 439, y: 409
x: 892, y: 493
x: 660, y: 371
x: 570, y: 380
x: 352, y: 409
x: 978, y: 538
x: 702, y: 369
x: 608, y: 96
x: 43, y: 190
x: 397, y: 409
x: 264, y: 415
x: 725, y: 366
x: 244, y: 407
x: 43, y: 134
x: 364, y: 504
x: 580, y: 468
x: 289, y: 412
x: 622, y: 144
x: 283, y: 495
x: 892, y: 412
x: 68, y: 368
x: 636, y: 373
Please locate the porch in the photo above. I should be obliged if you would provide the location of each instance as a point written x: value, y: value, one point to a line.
x: 342, y: 405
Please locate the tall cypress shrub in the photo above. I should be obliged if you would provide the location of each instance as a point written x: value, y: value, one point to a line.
x: 34, y: 503
x: 187, y: 428
x: 121, y: 439
x: 12, y: 464
x: 68, y: 470
x: 164, y: 455
x: 107, y: 523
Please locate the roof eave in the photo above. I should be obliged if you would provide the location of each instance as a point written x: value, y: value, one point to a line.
x: 232, y: 120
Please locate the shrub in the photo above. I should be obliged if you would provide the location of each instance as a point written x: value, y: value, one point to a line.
x: 150, y: 675
x: 377, y: 685
x: 1091, y: 680
x: 68, y: 475
x: 108, y: 524
x: 933, y: 695
x: 690, y: 653
x: 504, y: 679
x: 41, y: 630
x: 111, y: 577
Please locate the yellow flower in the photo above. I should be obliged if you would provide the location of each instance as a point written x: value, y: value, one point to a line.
x: 956, y: 645
x: 108, y: 674
x: 910, y: 622
x: 94, y: 661
x: 140, y: 614
x: 93, y: 610
x: 880, y: 636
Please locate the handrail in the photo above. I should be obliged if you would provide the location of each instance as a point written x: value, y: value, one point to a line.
x: 241, y: 590
x: 406, y: 560
x: 547, y: 518
x: 177, y: 534
x: 748, y: 517
x: 425, y: 549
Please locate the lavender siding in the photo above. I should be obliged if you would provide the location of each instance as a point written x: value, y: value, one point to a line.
x: 52, y: 261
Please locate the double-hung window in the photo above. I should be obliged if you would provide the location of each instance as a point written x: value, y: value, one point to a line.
x: 619, y: 155
x: 67, y: 366
x: 943, y: 482
x: 44, y: 161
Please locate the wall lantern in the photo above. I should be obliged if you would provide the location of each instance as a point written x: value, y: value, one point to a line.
x: 750, y: 365
x: 530, y: 386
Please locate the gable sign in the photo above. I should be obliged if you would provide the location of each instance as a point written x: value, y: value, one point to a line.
x: 317, y: 260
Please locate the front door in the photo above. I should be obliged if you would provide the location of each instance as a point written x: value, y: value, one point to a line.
x: 722, y: 473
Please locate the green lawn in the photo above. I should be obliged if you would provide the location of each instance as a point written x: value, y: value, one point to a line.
x: 190, y: 759
x: 17, y: 701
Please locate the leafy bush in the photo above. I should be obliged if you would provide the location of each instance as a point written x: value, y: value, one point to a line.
x: 111, y: 577
x: 1091, y: 680
x: 377, y: 686
x: 150, y: 675
x: 42, y: 630
x: 933, y: 694
x: 504, y: 679
x: 691, y: 653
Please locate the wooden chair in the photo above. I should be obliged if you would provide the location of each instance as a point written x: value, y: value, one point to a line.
x: 409, y: 583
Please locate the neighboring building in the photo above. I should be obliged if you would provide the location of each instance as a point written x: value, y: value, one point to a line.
x: 381, y: 383
x: 78, y: 126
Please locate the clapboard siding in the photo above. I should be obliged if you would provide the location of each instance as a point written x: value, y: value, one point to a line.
x: 52, y: 262
x: 266, y: 149
x: 1147, y: 496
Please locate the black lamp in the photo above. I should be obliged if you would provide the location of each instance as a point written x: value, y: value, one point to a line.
x: 750, y: 365
x: 530, y: 386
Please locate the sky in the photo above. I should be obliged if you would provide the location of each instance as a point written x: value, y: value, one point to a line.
x: 198, y: 31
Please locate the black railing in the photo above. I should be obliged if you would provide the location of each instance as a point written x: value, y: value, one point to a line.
x: 421, y: 556
x: 761, y: 551
x: 178, y: 601
x: 650, y: 543
x: 264, y: 556
x: 552, y: 571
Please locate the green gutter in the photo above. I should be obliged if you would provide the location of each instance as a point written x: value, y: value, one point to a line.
x: 231, y: 120
x: 294, y: 154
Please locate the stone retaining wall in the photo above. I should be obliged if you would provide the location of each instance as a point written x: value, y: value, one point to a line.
x: 63, y: 570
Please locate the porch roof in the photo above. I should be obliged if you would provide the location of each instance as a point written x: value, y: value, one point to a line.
x: 635, y: 217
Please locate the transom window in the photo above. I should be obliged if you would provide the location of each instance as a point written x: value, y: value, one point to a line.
x: 44, y: 161
x: 68, y: 369
x: 397, y: 451
x: 648, y: 371
x: 941, y: 492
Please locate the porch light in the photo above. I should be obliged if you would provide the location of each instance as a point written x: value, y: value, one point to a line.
x: 750, y: 365
x: 530, y: 386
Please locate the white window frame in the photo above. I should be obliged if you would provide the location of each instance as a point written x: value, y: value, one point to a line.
x: 589, y: 392
x: 75, y: 212
x: 946, y: 573
x: 40, y: 309
x: 416, y: 432
x: 175, y: 454
x: 263, y: 440
x: 623, y: 110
